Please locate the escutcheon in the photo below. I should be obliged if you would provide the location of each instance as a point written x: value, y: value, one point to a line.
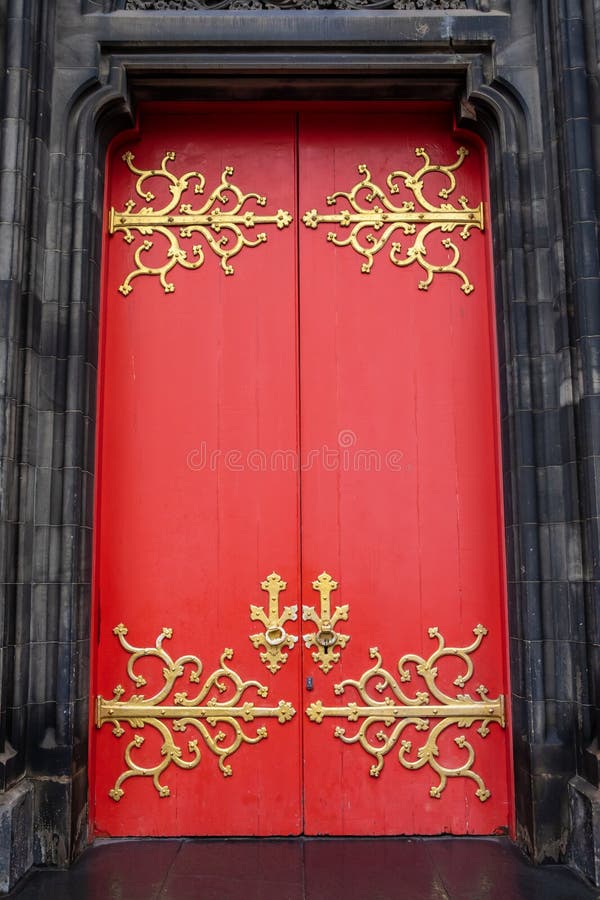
x: 326, y: 640
x: 274, y: 638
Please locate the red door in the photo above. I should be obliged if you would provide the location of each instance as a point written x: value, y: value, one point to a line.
x: 298, y: 417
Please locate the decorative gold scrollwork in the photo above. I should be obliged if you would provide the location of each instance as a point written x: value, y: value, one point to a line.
x: 223, y: 230
x: 396, y: 711
x: 193, y: 712
x: 415, y: 216
x: 275, y: 637
x: 325, y: 639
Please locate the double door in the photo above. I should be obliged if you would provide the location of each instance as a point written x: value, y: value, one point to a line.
x: 298, y: 564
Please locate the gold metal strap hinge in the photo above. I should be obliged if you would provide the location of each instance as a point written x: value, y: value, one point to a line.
x: 224, y: 231
x: 202, y: 712
x: 382, y: 721
x: 370, y: 225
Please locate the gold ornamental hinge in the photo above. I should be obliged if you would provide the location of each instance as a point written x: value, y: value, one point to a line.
x: 383, y: 719
x: 224, y: 231
x: 202, y: 712
x: 372, y: 219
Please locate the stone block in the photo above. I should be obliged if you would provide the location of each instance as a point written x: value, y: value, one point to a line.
x: 16, y: 834
x: 584, y: 840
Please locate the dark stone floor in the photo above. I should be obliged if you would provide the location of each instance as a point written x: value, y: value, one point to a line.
x: 306, y: 869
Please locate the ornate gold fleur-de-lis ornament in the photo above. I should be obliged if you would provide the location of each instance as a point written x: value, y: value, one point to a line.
x: 225, y: 231
x: 274, y: 639
x: 327, y: 642
x: 373, y: 218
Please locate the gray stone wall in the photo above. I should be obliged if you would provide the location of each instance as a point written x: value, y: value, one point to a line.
x: 524, y: 75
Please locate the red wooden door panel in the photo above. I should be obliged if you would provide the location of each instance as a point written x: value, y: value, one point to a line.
x: 397, y: 383
x: 193, y: 383
x: 296, y: 416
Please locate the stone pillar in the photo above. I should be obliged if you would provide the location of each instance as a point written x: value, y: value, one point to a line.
x: 577, y: 91
x: 43, y: 624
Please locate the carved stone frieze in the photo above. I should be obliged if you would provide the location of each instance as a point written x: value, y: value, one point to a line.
x: 192, y: 5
